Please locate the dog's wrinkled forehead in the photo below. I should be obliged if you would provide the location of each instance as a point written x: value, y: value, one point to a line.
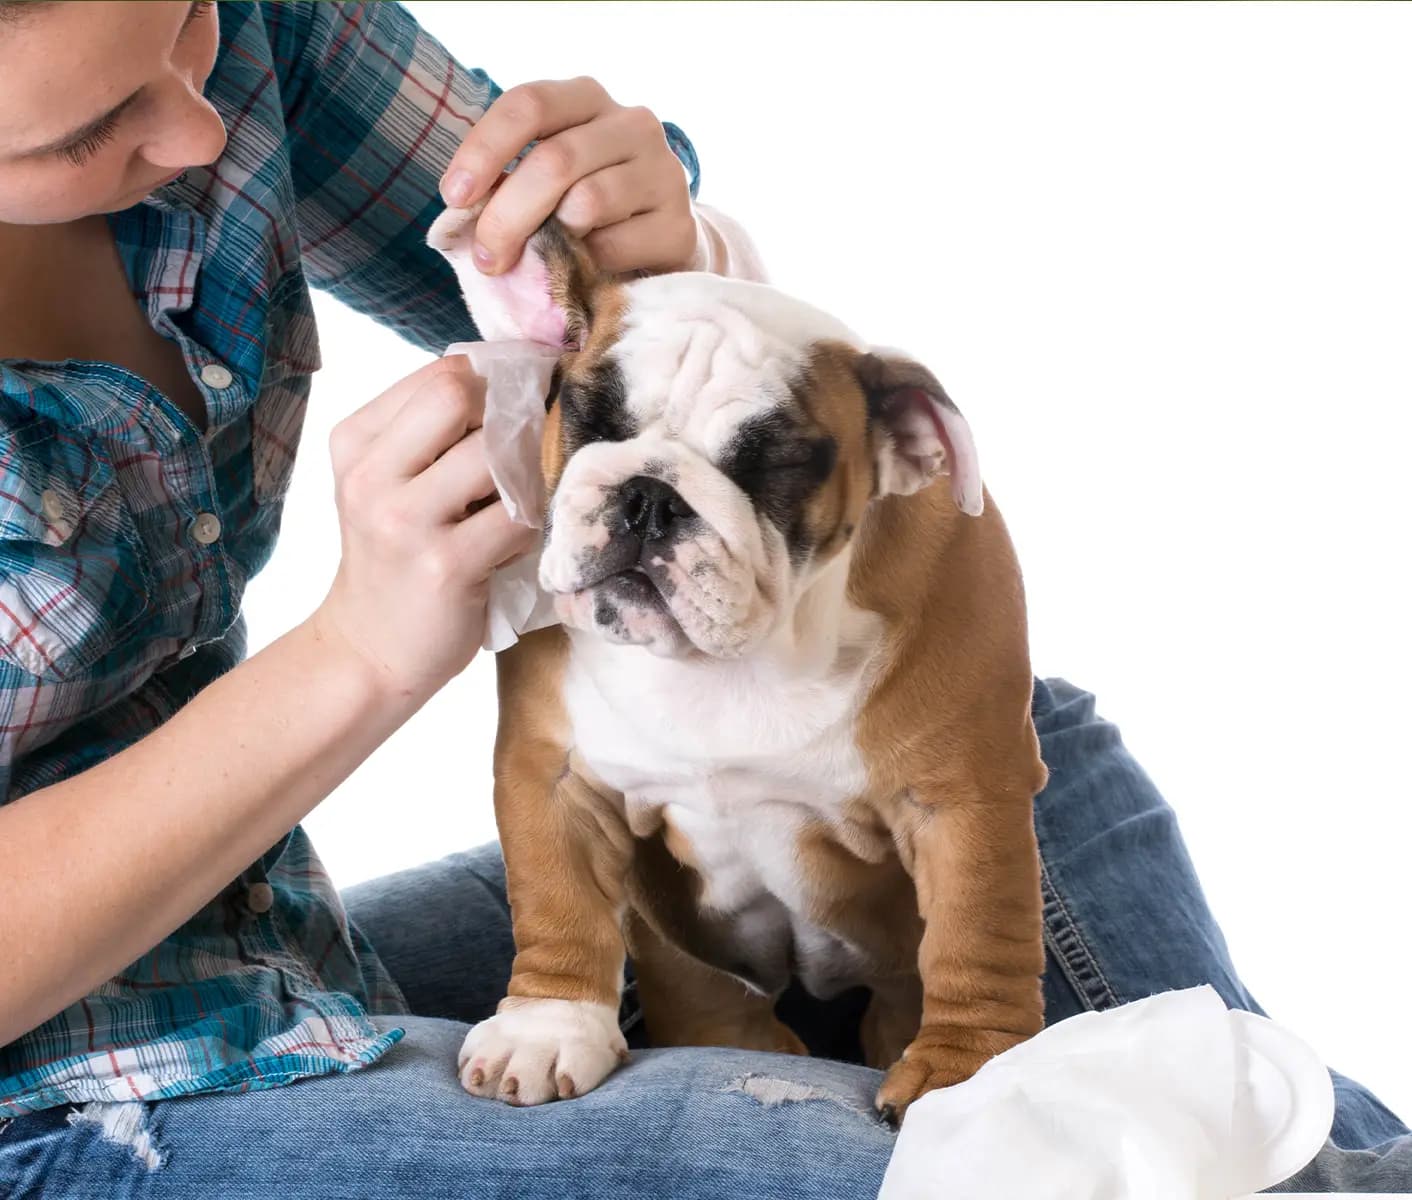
x: 772, y: 392
x: 699, y: 356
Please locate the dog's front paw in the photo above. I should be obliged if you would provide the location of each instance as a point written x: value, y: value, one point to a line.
x: 532, y: 1051
x: 936, y: 1060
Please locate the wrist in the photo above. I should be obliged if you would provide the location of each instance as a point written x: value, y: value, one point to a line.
x: 358, y: 667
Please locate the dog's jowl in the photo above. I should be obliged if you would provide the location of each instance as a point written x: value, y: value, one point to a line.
x: 783, y: 732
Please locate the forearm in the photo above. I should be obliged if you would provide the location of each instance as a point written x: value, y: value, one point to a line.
x: 96, y: 870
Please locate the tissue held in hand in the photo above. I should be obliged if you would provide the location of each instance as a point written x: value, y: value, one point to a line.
x: 524, y: 338
x: 1169, y: 1098
x: 517, y: 376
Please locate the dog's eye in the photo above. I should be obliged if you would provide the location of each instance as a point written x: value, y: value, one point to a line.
x: 785, y: 462
x: 596, y: 411
x: 815, y: 457
x: 772, y: 462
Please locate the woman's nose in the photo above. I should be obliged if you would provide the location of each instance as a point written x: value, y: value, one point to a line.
x: 186, y: 131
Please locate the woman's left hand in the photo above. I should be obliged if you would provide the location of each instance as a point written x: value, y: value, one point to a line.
x: 604, y: 170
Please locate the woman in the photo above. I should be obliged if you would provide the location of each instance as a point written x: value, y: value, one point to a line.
x: 174, y: 954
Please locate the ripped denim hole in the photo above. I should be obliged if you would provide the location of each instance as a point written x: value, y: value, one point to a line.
x: 771, y: 1093
x: 123, y: 1123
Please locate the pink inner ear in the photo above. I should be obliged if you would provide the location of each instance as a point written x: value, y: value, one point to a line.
x: 513, y: 306
x: 962, y: 462
x: 523, y: 291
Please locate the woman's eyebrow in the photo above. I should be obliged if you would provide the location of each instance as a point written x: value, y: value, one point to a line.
x: 90, y: 127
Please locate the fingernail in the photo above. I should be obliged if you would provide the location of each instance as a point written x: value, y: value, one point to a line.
x: 456, y: 188
x: 484, y: 258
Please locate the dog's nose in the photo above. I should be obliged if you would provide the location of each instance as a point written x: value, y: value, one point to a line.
x: 651, y: 507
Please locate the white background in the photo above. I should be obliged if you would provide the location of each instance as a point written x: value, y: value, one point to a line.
x: 1162, y: 258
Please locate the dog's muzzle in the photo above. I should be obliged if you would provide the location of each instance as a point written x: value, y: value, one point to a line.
x: 657, y: 549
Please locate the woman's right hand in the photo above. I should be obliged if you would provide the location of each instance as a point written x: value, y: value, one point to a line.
x: 419, y: 545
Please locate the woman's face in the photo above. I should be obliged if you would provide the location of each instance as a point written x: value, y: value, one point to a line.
x: 100, y: 103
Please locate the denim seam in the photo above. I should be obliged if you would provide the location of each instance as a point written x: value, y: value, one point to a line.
x: 1071, y: 951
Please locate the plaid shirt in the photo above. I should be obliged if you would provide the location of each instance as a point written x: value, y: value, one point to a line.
x: 127, y: 535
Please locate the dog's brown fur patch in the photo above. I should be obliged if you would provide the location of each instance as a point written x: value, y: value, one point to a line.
x: 829, y: 393
x: 605, y: 299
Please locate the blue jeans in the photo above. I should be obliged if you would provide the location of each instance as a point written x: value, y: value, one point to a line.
x: 1124, y: 917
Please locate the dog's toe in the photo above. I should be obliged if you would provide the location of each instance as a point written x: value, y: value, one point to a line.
x: 534, y: 1051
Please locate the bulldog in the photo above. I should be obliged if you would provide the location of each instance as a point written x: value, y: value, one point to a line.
x: 783, y: 731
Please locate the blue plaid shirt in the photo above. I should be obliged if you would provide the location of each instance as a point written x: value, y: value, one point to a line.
x: 127, y: 535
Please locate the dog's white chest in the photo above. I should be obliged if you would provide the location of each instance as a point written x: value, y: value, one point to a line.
x: 739, y: 761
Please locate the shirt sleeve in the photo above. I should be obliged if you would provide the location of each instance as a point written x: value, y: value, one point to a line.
x: 724, y: 248
x: 374, y: 109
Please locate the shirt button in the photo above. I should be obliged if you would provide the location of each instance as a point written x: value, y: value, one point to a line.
x: 216, y: 376
x: 260, y: 898
x: 206, y: 528
x: 52, y: 503
x: 187, y: 651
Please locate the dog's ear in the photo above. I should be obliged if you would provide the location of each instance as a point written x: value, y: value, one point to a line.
x: 918, y: 432
x: 546, y: 297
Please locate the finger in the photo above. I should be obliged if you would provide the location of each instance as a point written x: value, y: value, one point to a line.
x: 358, y: 429
x: 491, y: 539
x: 438, y: 415
x: 520, y: 116
x: 616, y: 193
x: 536, y: 186
x: 452, y: 485
x: 663, y: 240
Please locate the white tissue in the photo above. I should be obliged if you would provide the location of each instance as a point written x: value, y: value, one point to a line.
x: 1169, y: 1098
x: 517, y: 376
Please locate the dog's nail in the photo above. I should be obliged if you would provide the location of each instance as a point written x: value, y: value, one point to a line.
x: 888, y: 1112
x: 477, y: 1077
x: 567, y: 1090
x: 510, y: 1086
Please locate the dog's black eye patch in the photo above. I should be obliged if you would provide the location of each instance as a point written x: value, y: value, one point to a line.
x: 596, y: 410
x: 779, y: 465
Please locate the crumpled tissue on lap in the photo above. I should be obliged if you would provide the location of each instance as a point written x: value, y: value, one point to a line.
x: 1170, y: 1098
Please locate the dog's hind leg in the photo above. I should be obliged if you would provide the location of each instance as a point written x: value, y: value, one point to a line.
x: 891, y: 1021
x: 685, y: 1002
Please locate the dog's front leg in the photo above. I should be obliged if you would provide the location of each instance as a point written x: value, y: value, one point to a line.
x: 555, y: 1035
x: 566, y: 846
x: 975, y: 864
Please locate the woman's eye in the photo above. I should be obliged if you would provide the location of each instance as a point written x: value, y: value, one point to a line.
x: 86, y: 147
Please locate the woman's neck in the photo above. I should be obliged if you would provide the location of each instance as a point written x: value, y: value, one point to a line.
x: 62, y: 291
x: 42, y: 284
x: 64, y: 294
